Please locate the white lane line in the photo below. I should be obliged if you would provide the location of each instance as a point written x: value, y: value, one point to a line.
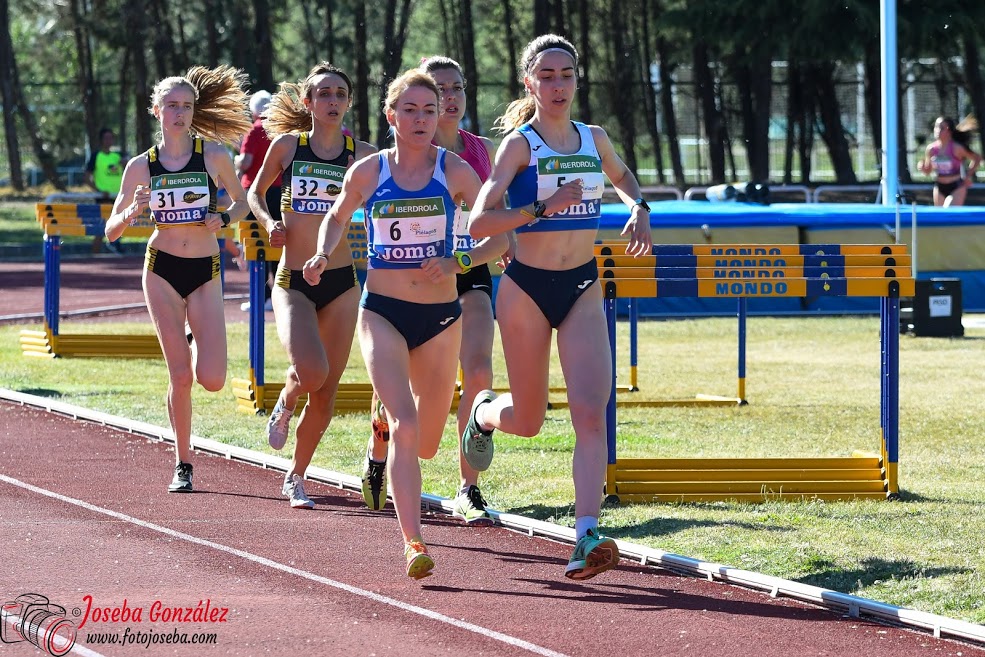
x: 263, y: 561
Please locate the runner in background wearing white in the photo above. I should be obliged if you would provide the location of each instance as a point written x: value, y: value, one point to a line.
x: 552, y: 170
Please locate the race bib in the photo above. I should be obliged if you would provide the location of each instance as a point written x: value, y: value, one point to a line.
x: 556, y: 170
x: 463, y: 241
x: 315, y: 186
x: 409, y: 231
x: 179, y: 198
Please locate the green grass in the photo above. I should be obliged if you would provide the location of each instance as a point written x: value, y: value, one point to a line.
x: 813, y: 384
x: 18, y: 225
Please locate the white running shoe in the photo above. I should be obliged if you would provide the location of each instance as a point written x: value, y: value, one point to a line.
x: 294, y: 491
x: 279, y: 423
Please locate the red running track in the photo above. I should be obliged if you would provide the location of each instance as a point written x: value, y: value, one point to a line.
x: 83, y: 512
x: 97, y: 282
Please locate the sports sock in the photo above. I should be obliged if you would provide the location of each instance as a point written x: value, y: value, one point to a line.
x: 583, y: 524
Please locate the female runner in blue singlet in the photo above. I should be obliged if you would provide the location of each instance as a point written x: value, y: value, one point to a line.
x: 177, y: 180
x: 315, y: 323
x: 474, y: 293
x: 408, y: 324
x: 552, y: 169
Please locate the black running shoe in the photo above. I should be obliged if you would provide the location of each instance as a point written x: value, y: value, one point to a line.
x: 182, y: 482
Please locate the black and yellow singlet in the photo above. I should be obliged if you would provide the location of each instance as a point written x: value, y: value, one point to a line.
x: 310, y: 184
x: 181, y: 197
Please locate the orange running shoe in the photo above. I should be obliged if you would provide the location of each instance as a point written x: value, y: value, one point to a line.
x: 419, y: 562
x: 381, y: 425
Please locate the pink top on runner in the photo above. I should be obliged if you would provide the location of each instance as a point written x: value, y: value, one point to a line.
x: 944, y: 161
x: 475, y: 154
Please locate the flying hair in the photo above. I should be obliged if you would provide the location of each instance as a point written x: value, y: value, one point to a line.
x: 287, y: 112
x: 222, y: 112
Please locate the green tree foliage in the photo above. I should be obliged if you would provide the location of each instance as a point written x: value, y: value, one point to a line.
x: 737, y: 76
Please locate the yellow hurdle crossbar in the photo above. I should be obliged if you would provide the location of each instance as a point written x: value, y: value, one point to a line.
x: 744, y: 271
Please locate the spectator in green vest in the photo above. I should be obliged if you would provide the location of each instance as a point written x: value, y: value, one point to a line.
x: 104, y: 173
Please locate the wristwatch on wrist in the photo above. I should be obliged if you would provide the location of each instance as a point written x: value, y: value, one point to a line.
x: 540, y: 208
x: 226, y: 219
x: 464, y: 261
x: 642, y: 203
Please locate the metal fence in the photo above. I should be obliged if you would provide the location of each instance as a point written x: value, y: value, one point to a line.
x: 923, y: 101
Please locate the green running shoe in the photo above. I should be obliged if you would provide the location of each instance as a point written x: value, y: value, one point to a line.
x: 593, y: 554
x: 374, y: 484
x: 470, y: 507
x: 477, y: 445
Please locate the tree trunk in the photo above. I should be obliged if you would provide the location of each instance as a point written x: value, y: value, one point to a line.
x: 311, y: 40
x: 976, y: 87
x: 329, y: 38
x: 362, y: 73
x: 213, y: 9
x: 394, y: 37
x: 872, y: 96
x: 133, y: 21
x: 832, y: 131
x: 649, y: 96
x: 166, y: 57
x: 446, y: 22
x: 557, y: 12
x: 468, y: 63
x: 584, y: 60
x: 542, y: 17
x: 622, y: 98
x: 264, y: 46
x: 33, y: 131
x: 713, y: 120
x: 805, y: 125
x: 794, y: 112
x: 181, y: 57
x: 755, y: 94
x: 670, y: 117
x: 243, y: 53
x: 9, y: 105
x: 88, y: 91
x: 762, y: 93
x: 513, y: 84
x: 124, y: 95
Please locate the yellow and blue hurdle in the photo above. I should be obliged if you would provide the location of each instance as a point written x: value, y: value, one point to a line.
x: 807, y: 270
x: 81, y: 219
x: 255, y: 394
